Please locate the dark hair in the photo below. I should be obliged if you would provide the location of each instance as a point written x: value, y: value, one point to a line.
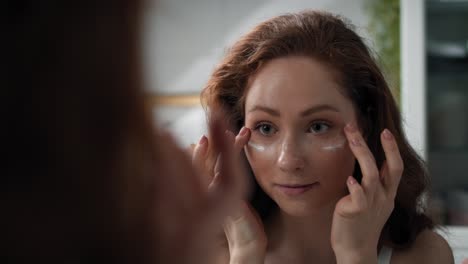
x: 75, y: 133
x: 330, y: 40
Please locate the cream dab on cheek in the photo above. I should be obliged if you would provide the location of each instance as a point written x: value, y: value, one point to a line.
x: 256, y: 146
x: 334, y: 147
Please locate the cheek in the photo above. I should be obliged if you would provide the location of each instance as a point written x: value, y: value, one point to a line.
x: 260, y: 153
x: 257, y: 158
x: 261, y: 159
x: 333, y: 165
x: 347, y: 161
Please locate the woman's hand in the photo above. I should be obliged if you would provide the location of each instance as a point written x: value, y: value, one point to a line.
x: 360, y: 216
x: 246, y: 237
x: 186, y: 212
x: 243, y: 229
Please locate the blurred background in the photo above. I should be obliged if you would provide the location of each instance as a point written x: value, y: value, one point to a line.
x: 185, y: 40
x: 422, y: 46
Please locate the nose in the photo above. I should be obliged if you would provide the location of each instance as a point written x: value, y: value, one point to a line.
x: 291, y: 156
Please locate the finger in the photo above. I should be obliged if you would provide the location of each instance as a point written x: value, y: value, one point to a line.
x: 231, y: 180
x: 394, y: 164
x: 199, y: 159
x: 199, y: 150
x: 175, y: 164
x: 244, y: 228
x: 229, y: 186
x: 239, y: 142
x: 355, y: 202
x: 217, y: 166
x: 384, y: 177
x: 241, y: 139
x: 190, y: 149
x: 230, y: 140
x: 365, y: 158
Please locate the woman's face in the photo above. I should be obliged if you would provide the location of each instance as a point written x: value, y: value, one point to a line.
x: 298, y: 150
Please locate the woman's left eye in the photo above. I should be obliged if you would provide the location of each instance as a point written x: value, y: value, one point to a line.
x: 319, y: 127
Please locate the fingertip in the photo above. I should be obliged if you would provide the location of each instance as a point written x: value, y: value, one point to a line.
x: 243, y: 131
x: 351, y: 181
x: 386, y: 134
x: 353, y: 185
x: 351, y: 128
x: 202, y: 145
x: 388, y: 140
x: 242, y: 138
x: 353, y: 140
x: 356, y: 194
x: 203, y: 140
x: 199, y: 150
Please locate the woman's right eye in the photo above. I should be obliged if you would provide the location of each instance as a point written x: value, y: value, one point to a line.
x: 266, y: 129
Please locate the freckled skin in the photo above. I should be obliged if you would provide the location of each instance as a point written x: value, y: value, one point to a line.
x: 332, y: 145
x: 298, y: 149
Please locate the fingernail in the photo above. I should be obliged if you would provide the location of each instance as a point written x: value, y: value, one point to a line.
x: 387, y: 134
x: 243, y: 131
x: 355, y: 142
x: 202, y: 140
x: 351, y: 180
x: 350, y: 127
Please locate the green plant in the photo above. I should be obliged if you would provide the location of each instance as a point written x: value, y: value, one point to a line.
x: 384, y: 27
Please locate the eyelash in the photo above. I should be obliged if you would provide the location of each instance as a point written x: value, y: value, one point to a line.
x: 263, y: 123
x: 320, y: 122
x: 259, y: 125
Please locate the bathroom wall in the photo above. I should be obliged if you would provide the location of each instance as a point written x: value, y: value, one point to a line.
x: 184, y: 40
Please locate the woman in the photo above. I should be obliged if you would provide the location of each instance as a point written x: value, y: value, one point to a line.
x: 86, y: 178
x: 336, y: 179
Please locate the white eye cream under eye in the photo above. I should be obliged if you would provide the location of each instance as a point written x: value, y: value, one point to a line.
x: 330, y: 144
x: 334, y: 146
x: 257, y: 147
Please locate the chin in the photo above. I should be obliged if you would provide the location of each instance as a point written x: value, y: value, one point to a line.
x: 307, y: 207
x: 298, y: 209
x: 295, y: 212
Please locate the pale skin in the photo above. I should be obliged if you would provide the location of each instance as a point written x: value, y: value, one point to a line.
x: 325, y: 215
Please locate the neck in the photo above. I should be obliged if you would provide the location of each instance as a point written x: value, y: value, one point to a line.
x: 303, y: 238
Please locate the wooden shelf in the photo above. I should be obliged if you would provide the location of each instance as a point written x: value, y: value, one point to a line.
x: 186, y: 100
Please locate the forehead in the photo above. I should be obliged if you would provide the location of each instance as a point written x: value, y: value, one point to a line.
x: 294, y: 83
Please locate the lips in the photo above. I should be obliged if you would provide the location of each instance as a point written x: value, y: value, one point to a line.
x: 295, y: 189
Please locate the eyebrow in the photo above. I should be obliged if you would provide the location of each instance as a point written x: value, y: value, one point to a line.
x: 308, y: 111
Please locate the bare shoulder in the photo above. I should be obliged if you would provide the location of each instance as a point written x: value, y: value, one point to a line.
x: 429, y: 247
